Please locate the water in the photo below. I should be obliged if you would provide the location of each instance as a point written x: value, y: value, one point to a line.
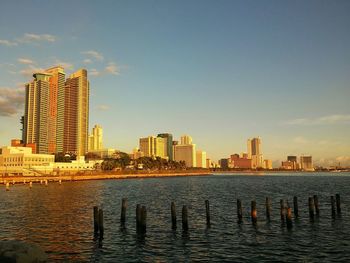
x: 59, y: 219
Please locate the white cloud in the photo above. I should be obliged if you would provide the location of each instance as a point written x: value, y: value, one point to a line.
x: 324, y: 120
x: 94, y: 54
x: 300, y: 140
x: 25, y: 61
x: 64, y: 64
x: 112, y: 68
x: 11, y: 100
x: 87, y: 61
x: 8, y: 43
x: 30, y: 37
x: 103, y: 107
x: 28, y: 72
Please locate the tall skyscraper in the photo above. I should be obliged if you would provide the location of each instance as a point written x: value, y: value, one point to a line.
x: 168, y: 144
x: 306, y: 163
x: 186, y: 151
x: 152, y: 146
x: 95, y: 139
x: 255, y: 152
x: 185, y: 139
x: 76, y: 113
x: 43, y: 114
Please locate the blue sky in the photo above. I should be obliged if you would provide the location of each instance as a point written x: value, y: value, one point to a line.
x: 220, y: 71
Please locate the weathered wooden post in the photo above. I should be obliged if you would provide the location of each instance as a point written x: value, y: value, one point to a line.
x: 7, y: 186
x: 268, y: 208
x: 253, y: 212
x: 100, y: 223
x: 46, y: 182
x: 173, y: 215
x: 60, y: 182
x: 311, y: 208
x: 289, y: 217
x: 30, y: 184
x: 296, y: 208
x: 143, y: 219
x: 95, y: 220
x: 333, y: 205
x: 337, y: 198
x: 282, y: 210
x: 239, y: 211
x: 207, y: 212
x: 317, y: 208
x: 123, y: 212
x: 184, y: 218
x: 138, y: 217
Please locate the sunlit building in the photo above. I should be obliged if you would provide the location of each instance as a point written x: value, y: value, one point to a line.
x: 95, y: 138
x: 152, y: 146
x: 255, y: 152
x: 76, y: 113
x: 201, y: 159
x: 267, y: 164
x: 241, y: 162
x: 306, y: 163
x: 186, y: 151
x: 168, y: 145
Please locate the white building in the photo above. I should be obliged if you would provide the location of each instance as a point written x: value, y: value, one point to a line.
x: 201, y: 159
x: 95, y: 139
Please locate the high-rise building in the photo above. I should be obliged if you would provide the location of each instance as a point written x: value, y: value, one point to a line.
x: 95, y: 138
x: 186, y: 151
x: 306, y: 163
x: 76, y: 113
x: 255, y: 152
x: 185, y: 139
x: 168, y: 145
x: 152, y: 146
x: 201, y: 159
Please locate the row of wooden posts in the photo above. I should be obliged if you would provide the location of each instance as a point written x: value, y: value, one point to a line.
x: 285, y: 213
x: 46, y: 182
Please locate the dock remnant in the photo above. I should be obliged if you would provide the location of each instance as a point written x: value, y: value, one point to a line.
x: 184, y: 218
x: 173, y: 215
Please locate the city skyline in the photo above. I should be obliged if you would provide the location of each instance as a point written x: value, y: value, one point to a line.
x: 231, y: 72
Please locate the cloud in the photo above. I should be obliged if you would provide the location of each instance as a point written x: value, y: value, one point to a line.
x: 103, y: 107
x: 8, y: 43
x: 112, y: 68
x: 25, y: 61
x: 94, y: 54
x: 64, y: 64
x: 324, y: 120
x: 94, y: 72
x: 300, y: 140
x: 87, y: 61
x: 11, y: 100
x: 30, y: 70
x: 30, y: 37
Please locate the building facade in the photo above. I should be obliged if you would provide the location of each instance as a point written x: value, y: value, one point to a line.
x: 95, y: 139
x: 168, y: 145
x: 201, y: 159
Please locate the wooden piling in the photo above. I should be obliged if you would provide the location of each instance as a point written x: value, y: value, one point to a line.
x: 317, y: 207
x: 268, y: 208
x: 30, y: 184
x: 184, y: 218
x: 100, y: 223
x: 289, y: 218
x: 46, y: 182
x: 60, y: 182
x: 207, y: 212
x: 296, y: 208
x: 253, y: 212
x: 123, y: 212
x: 7, y: 186
x: 282, y: 210
x: 95, y: 219
x: 337, y: 198
x: 138, y: 217
x: 333, y: 205
x: 143, y: 224
x: 239, y: 211
x: 173, y: 216
x: 311, y: 208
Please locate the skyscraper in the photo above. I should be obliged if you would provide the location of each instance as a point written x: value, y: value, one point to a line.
x: 40, y: 113
x: 95, y: 139
x: 76, y: 113
x: 168, y: 144
x: 152, y: 146
x: 255, y: 152
x: 186, y: 151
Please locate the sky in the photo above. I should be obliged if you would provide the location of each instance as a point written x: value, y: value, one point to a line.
x: 220, y: 71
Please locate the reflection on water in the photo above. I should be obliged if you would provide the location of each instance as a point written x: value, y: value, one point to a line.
x: 60, y: 219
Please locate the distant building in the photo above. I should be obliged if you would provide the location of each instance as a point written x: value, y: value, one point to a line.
x: 152, y: 146
x: 292, y: 158
x: 268, y: 164
x: 288, y: 165
x: 168, y: 145
x: 210, y: 163
x: 186, y: 151
x: 102, y: 153
x: 241, y: 162
x: 306, y: 163
x: 255, y: 152
x: 225, y: 163
x: 201, y: 159
x: 95, y: 139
